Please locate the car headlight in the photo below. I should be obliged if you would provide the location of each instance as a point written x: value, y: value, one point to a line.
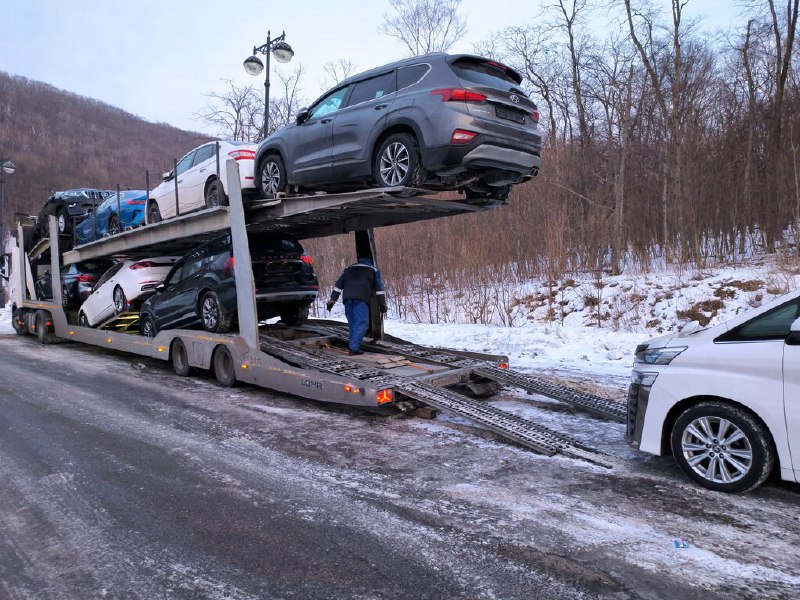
x: 657, y: 356
x: 643, y: 379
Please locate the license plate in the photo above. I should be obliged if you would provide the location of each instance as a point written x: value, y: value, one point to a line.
x: 510, y: 114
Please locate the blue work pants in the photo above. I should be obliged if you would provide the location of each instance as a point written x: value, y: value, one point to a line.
x: 357, y: 313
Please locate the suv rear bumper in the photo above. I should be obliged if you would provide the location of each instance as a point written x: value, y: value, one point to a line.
x: 451, y: 160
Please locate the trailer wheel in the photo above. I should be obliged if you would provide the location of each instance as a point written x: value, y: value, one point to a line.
x: 180, y: 359
x: 18, y: 321
x: 223, y: 367
x: 42, y: 329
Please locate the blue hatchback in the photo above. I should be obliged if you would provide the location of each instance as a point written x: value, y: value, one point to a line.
x: 107, y: 220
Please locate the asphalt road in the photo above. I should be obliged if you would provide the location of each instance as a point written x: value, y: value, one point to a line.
x: 119, y: 479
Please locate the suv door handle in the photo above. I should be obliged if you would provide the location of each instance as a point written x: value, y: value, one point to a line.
x: 381, y: 106
x: 326, y: 121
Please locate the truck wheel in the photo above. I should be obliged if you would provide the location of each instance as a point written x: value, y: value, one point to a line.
x: 722, y: 447
x: 293, y: 314
x: 214, y: 320
x: 223, y: 367
x: 120, y: 301
x: 18, y: 322
x: 148, y: 327
x: 180, y: 359
x: 272, y: 176
x: 42, y: 329
x: 215, y: 194
x: 153, y: 213
x: 397, y: 163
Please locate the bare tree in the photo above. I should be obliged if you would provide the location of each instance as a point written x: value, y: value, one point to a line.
x: 425, y: 26
x: 283, y: 110
x: 234, y: 112
x: 337, y: 71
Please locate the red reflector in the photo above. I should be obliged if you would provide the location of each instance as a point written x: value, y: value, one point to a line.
x: 502, y: 365
x: 306, y: 258
x: 242, y: 154
x: 462, y: 136
x: 535, y: 116
x: 229, y: 265
x: 385, y: 396
x: 143, y: 264
x: 86, y: 278
x: 459, y: 95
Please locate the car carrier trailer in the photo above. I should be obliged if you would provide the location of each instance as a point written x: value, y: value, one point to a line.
x: 309, y: 360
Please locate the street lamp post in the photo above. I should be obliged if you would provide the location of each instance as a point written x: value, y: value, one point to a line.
x: 6, y: 166
x: 283, y: 53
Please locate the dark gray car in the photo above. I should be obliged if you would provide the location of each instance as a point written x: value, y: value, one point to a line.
x: 437, y: 121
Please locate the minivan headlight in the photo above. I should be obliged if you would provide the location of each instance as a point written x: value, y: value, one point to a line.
x: 657, y: 356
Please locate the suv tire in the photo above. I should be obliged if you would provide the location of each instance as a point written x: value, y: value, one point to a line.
x: 698, y: 445
x: 153, y: 213
x: 211, y: 315
x: 272, y: 176
x: 148, y: 327
x: 397, y: 162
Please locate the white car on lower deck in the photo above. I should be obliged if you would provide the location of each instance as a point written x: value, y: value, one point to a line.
x: 725, y: 401
x: 200, y: 184
x: 123, y: 284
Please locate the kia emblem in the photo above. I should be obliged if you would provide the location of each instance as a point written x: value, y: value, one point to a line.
x: 514, y: 98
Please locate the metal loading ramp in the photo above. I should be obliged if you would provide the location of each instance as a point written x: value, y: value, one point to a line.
x: 538, y: 385
x: 529, y: 434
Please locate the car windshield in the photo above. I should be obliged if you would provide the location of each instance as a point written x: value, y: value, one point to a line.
x: 485, y: 72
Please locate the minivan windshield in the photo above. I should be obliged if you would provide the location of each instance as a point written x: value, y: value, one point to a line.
x: 484, y: 72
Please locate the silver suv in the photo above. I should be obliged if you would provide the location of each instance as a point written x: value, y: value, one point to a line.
x: 437, y: 121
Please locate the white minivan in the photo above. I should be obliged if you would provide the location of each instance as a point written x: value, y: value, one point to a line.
x: 725, y: 401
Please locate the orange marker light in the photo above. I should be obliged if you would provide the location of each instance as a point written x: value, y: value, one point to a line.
x: 385, y: 396
x: 72, y: 332
x: 244, y: 365
x: 109, y: 340
x: 161, y: 348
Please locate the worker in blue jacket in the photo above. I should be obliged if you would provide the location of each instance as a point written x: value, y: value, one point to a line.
x: 357, y: 284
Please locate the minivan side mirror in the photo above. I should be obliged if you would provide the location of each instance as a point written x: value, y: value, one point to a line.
x: 302, y: 116
x: 793, y: 339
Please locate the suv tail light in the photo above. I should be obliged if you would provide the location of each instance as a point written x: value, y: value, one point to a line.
x: 86, y: 278
x: 535, y: 116
x: 229, y: 265
x: 242, y: 154
x: 462, y: 136
x: 142, y: 264
x: 136, y: 201
x: 459, y: 95
x: 306, y: 258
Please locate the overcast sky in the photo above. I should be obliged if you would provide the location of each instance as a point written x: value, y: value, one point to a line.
x: 159, y: 58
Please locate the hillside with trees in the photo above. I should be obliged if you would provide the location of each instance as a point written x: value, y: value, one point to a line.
x: 60, y: 140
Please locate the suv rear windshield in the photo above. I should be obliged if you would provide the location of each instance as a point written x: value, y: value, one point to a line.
x: 270, y: 244
x: 484, y: 72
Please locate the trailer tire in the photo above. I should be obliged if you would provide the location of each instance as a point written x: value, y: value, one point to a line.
x: 224, y: 370
x: 180, y: 359
x: 18, y: 321
x: 42, y: 330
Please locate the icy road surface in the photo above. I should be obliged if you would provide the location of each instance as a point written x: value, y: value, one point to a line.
x: 119, y: 479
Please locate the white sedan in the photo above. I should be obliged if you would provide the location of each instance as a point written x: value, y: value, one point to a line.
x: 122, y: 284
x: 198, y: 184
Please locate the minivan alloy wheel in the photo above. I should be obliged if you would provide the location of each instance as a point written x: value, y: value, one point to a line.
x: 716, y: 449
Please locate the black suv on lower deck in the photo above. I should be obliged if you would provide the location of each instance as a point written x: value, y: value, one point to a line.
x: 201, y: 290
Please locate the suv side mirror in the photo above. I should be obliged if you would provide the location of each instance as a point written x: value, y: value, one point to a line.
x: 302, y: 116
x: 167, y: 176
x: 161, y: 287
x: 793, y: 339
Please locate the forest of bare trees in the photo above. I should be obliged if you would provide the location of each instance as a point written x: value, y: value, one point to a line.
x: 664, y: 142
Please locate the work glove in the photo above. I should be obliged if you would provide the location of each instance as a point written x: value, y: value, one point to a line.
x: 330, y: 305
x: 384, y: 309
